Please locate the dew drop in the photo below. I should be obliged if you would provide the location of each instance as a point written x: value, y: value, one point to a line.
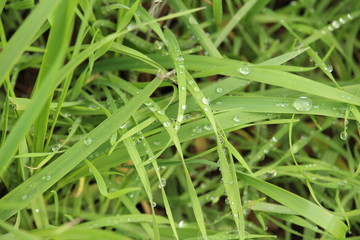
x: 166, y: 124
x: 153, y: 204
x: 205, y: 101
x: 161, y: 112
x: 153, y: 108
x: 157, y: 143
x: 46, y: 177
x: 180, y: 58
x: 329, y: 68
x: 196, y: 89
x: 342, y: 20
x: 87, y: 141
x: 67, y: 115
x: 37, y: 210
x: 208, y: 127
x: 183, y: 107
x: 236, y: 119
x: 244, y: 70
x: 219, y: 90
x: 147, y: 103
x: 274, y: 139
x: 349, y: 16
x: 272, y: 173
x: 335, y: 24
x: 197, y: 129
x: 162, y: 183
x: 56, y: 147
x: 330, y: 28
x: 182, y: 224
x: 344, y: 135
x: 93, y: 107
x: 122, y: 126
x: 302, y: 104
x: 24, y: 197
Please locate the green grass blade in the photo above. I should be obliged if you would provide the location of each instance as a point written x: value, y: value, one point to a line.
x: 21, y: 39
x: 303, y: 207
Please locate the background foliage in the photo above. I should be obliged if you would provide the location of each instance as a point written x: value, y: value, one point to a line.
x: 124, y: 119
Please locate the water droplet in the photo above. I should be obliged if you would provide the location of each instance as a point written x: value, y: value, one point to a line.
x: 349, y: 16
x: 244, y: 70
x: 302, y: 104
x: 208, y: 127
x: 183, y: 88
x: 162, y: 183
x: 93, y: 106
x: 161, y: 112
x: 272, y: 173
x: 342, y: 20
x: 37, y: 210
x: 219, y: 102
x: 329, y: 68
x: 24, y: 197
x: 87, y: 141
x: 181, y: 66
x: 183, y: 107
x: 67, y: 115
x: 344, y: 135
x: 180, y: 58
x: 205, y: 101
x: 236, y: 118
x: 274, y: 139
x: 227, y: 201
x: 157, y: 143
x: 153, y: 204
x: 219, y: 90
x: 153, y: 108
x: 182, y: 224
x: 56, y: 147
x: 166, y: 124
x: 122, y: 126
x: 335, y: 24
x: 330, y: 28
x: 196, y: 89
x: 197, y: 129
x: 47, y: 177
x: 147, y: 103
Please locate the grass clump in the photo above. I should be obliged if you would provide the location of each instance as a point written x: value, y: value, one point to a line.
x: 179, y: 119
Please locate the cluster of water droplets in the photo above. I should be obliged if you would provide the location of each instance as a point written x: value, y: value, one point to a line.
x: 335, y: 24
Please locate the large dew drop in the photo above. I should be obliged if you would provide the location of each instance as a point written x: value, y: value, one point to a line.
x: 344, y: 135
x: 244, y: 70
x: 87, y: 141
x: 302, y: 104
